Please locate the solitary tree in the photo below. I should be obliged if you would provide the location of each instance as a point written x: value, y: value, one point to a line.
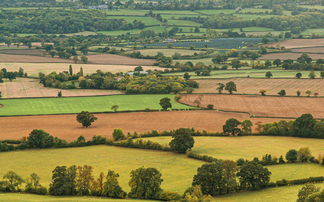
x: 138, y: 69
x: 84, y: 59
x: 298, y: 93
x: 85, y: 118
x: 231, y: 127
x: 262, y: 91
x: 312, y: 75
x: 304, y: 154
x: 298, y: 75
x: 114, y: 108
x: 182, y: 140
x: 75, y: 59
x: 165, y: 103
x: 230, y: 86
x: 211, y: 179
x: 269, y: 75
x: 186, y: 76
x: 145, y: 183
x: 308, y: 93
x: 220, y: 87
x: 282, y: 93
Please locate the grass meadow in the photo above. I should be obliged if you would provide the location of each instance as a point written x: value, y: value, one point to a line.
x: 214, y: 12
x: 36, y: 106
x: 311, y: 31
x: 177, y: 170
x: 168, y: 52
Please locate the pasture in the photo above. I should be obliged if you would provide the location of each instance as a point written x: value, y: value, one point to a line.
x: 34, y: 68
x: 214, y: 12
x: 298, y: 43
x: 272, y: 86
x: 248, y: 147
x: 23, y: 88
x: 292, y: 56
x: 315, y: 31
x: 132, y: 31
x: 37, y: 106
x: 167, y: 52
x: 263, y: 106
x: 66, y: 126
x: 146, y: 20
x: 177, y: 170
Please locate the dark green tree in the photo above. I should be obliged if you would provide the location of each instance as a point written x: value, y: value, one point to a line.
x: 138, y: 69
x: 186, y: 76
x: 85, y: 118
x: 304, y: 126
x: 211, y: 179
x: 111, y: 186
x: 230, y: 86
x: 269, y: 75
x: 165, y: 103
x: 145, y: 183
x: 182, y: 140
x: 220, y: 87
x: 298, y: 75
x: 231, y: 127
x: 70, y: 70
x: 291, y: 155
x: 63, y: 181
x: 40, y: 139
x: 305, y: 191
x: 11, y: 76
x: 277, y: 62
x: 253, y: 175
x: 282, y: 93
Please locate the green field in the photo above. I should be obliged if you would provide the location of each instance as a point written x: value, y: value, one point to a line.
x: 126, y: 12
x: 167, y: 52
x: 130, y: 19
x: 311, y: 31
x: 251, y: 16
x: 319, y: 7
x: 133, y: 31
x: 183, y: 23
x: 214, y: 12
x: 177, y: 170
x: 13, y: 197
x: 36, y: 106
x: 250, y: 146
x: 243, y: 73
x: 278, y: 194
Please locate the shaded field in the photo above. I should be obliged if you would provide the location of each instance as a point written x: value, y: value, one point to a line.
x: 248, y: 147
x: 10, y: 197
x: 292, y: 56
x: 167, y: 52
x: 37, y: 106
x: 272, y: 86
x: 298, y: 43
x: 264, y: 106
x: 309, y: 50
x: 23, y: 87
x: 177, y: 170
x: 21, y: 52
x: 34, y: 68
x: 66, y: 126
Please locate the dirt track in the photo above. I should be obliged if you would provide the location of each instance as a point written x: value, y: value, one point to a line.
x: 265, y: 106
x: 66, y: 126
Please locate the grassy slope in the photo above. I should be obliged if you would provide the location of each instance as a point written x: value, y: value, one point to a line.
x: 311, y: 31
x: 250, y: 146
x: 78, y: 104
x: 177, y: 170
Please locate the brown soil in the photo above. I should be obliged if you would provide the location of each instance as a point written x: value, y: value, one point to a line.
x: 66, y: 126
x: 298, y: 43
x: 272, y: 86
x: 264, y: 106
x: 309, y: 50
x: 23, y: 87
x: 293, y: 56
x: 116, y: 60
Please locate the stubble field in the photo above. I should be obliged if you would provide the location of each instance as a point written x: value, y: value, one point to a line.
x: 264, y: 106
x: 272, y: 86
x: 25, y: 87
x: 298, y: 43
x: 66, y: 126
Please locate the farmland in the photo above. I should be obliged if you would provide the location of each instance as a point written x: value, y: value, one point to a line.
x: 167, y: 52
x: 292, y: 56
x: 23, y: 88
x: 299, y: 43
x: 272, y: 86
x: 70, y: 129
x: 36, y: 106
x: 123, y: 161
x: 264, y: 106
x: 308, y: 50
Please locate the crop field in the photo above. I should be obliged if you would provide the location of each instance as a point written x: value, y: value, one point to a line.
x: 186, y: 30
x: 146, y: 20
x: 177, y: 170
x: 319, y: 7
x: 33, y: 68
x: 33, y: 59
x: 23, y: 88
x: 36, y: 106
x: 126, y: 12
x: 298, y: 43
x: 176, y: 12
x: 227, y: 43
x: 214, y: 12
x: 183, y: 23
x: 264, y: 106
x: 292, y: 56
x: 308, y: 50
x: 248, y: 147
x: 132, y: 31
x: 21, y: 52
x: 251, y: 16
x: 66, y: 126
x: 272, y: 86
x: 116, y: 60
x: 167, y: 52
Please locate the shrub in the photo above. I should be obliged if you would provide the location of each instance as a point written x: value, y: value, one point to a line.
x: 168, y: 196
x: 304, y: 154
x: 41, y: 190
x: 298, y: 93
x: 262, y: 91
x: 210, y: 106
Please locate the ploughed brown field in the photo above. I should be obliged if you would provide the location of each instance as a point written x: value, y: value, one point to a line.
x: 265, y: 106
x: 108, y: 59
x: 309, y: 50
x: 293, y: 56
x: 272, y: 86
x: 66, y: 126
x: 23, y: 87
x: 298, y: 43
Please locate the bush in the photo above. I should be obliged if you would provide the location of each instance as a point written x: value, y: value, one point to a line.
x: 41, y: 190
x: 168, y: 196
x: 210, y: 106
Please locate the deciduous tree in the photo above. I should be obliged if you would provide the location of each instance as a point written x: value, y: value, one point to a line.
x: 85, y: 118
x: 230, y: 86
x: 165, y: 103
x: 118, y: 134
x: 40, y: 139
x: 63, y: 181
x: 84, y: 180
x: 111, y: 186
x: 231, y: 127
x: 182, y: 140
